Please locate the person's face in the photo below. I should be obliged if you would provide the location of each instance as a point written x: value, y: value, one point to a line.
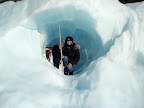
x: 69, y: 42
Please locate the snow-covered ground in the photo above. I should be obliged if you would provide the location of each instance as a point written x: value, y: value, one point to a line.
x: 110, y: 72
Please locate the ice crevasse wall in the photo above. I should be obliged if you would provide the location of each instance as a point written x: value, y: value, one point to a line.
x: 111, y: 67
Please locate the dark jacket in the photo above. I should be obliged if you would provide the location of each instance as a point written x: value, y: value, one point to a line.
x: 72, y: 53
x: 56, y: 52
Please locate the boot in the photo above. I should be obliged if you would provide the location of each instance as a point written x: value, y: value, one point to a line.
x: 65, y: 71
x: 71, y: 73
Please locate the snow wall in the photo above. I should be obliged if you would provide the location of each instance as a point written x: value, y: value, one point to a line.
x: 110, y: 72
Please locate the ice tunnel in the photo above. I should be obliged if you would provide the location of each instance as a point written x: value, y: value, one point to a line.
x: 73, y: 22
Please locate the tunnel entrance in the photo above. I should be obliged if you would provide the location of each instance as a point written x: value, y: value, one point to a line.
x: 76, y: 23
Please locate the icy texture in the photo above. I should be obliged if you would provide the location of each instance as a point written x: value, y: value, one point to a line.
x: 111, y: 67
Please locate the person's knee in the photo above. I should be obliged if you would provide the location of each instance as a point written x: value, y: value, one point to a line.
x: 65, y: 58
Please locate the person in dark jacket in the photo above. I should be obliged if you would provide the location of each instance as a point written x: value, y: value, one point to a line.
x: 71, y: 55
x: 56, y: 56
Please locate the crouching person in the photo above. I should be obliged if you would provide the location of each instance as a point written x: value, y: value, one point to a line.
x: 71, y: 55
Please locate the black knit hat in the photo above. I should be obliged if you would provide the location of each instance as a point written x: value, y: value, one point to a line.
x: 69, y: 37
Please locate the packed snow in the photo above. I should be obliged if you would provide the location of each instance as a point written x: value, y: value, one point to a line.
x: 110, y: 73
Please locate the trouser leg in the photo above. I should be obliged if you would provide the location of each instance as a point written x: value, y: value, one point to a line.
x: 65, y: 61
x: 67, y: 69
x: 72, y: 70
x: 56, y: 62
x: 48, y: 58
